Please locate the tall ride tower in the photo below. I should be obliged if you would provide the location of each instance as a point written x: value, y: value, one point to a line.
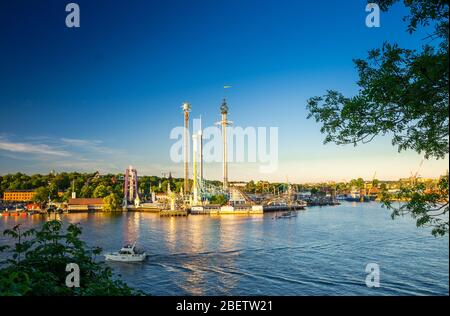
x: 194, y: 169
x: 130, y: 190
x: 186, y: 109
x: 224, y: 123
x: 200, y: 173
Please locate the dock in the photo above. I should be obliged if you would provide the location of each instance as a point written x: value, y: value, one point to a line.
x: 227, y: 210
x: 321, y: 201
x: 144, y: 209
x: 204, y: 210
x: 171, y: 213
x: 280, y: 208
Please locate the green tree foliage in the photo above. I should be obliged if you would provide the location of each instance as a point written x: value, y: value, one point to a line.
x: 403, y: 93
x: 357, y: 183
x: 101, y: 191
x: 37, y: 262
x: 41, y: 196
x: 111, y: 203
x: 86, y: 185
x: 428, y: 206
x: 375, y: 183
x: 219, y: 199
x: 250, y: 187
x: 86, y: 191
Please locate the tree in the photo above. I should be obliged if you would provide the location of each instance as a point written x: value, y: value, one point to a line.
x: 250, y: 187
x: 219, y: 199
x: 41, y: 195
x: 100, y: 191
x: 62, y: 181
x: 403, y: 93
x: 53, y: 191
x: 111, y: 203
x: 38, y: 260
x: 375, y: 183
x: 428, y: 207
x: 67, y: 195
x: 358, y: 183
x: 86, y: 191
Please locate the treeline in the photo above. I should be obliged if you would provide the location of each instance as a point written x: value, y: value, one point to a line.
x: 94, y: 185
x: 338, y: 187
x: 266, y: 187
x: 86, y: 185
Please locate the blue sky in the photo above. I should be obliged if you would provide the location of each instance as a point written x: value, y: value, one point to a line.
x: 107, y: 94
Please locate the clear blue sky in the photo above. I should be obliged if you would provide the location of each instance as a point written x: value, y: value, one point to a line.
x: 107, y: 94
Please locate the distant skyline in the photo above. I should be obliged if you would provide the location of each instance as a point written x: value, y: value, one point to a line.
x: 107, y: 95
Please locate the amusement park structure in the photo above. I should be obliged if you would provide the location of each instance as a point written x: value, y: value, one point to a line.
x: 186, y: 109
x: 195, y: 182
x: 130, y: 189
x: 196, y: 198
x: 224, y: 123
x: 201, y: 191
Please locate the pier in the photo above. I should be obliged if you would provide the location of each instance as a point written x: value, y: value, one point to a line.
x: 171, y: 213
x: 145, y: 207
x: 242, y: 209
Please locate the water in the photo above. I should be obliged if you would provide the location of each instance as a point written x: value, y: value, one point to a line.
x: 323, y: 251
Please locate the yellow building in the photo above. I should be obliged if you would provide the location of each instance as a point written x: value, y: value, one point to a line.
x: 18, y: 195
x: 21, y: 195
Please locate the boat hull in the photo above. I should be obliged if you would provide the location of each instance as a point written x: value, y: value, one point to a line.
x: 125, y: 258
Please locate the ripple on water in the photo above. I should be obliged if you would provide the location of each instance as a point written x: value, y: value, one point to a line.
x: 323, y: 251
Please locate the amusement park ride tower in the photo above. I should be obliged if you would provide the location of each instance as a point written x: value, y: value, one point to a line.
x: 186, y: 109
x: 224, y: 123
x: 130, y: 190
x: 200, y: 189
x: 200, y: 141
x: 195, y: 184
x: 197, y: 166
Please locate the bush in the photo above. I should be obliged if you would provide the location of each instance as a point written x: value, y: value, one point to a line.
x: 219, y: 199
x: 111, y: 203
x: 37, y: 265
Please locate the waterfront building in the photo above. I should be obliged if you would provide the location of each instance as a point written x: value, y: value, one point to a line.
x: 85, y: 204
x: 18, y: 195
x: 21, y: 195
x: 33, y: 206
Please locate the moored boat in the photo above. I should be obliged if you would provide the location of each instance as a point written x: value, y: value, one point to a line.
x: 128, y: 253
x: 288, y: 214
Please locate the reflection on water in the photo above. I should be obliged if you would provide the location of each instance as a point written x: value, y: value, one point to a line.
x: 323, y: 251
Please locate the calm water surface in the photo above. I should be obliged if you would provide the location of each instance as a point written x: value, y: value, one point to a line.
x: 323, y: 251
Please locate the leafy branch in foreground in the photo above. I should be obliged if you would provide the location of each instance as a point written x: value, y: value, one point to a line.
x: 404, y: 94
x: 428, y: 206
x: 38, y: 259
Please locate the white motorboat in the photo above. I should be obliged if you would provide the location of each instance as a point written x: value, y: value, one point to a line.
x: 128, y: 253
x: 287, y: 214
